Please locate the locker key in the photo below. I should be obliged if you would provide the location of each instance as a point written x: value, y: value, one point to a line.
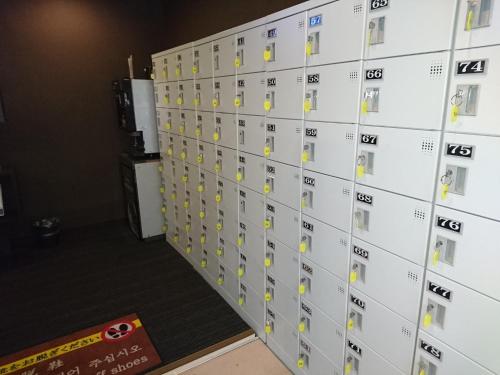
x: 446, y: 181
x: 239, y: 174
x: 215, y: 102
x: 241, y: 300
x: 237, y: 101
x: 162, y: 189
x: 186, y: 203
x: 437, y: 253
x: 164, y: 228
x: 468, y: 22
x: 268, y: 328
x: 218, y: 226
x: 307, y: 105
x: 200, y: 187
x: 168, y: 125
x: 428, y: 316
x: 203, y: 239
x: 218, y: 197
x: 309, y: 47
x: 348, y: 366
x: 302, y: 325
x: 350, y: 321
x: 173, y: 196
x: 216, y: 136
x: 237, y: 62
x: 203, y: 263
x: 163, y: 209
x: 170, y: 151
x: 184, y: 178
x: 266, y: 224
x: 166, y: 99
x: 182, y: 127
x: 180, y: 100
x: 164, y: 73
x: 268, y: 261
x: 187, y: 227
x: 267, y: 151
x: 202, y: 214
x: 219, y: 251
x: 183, y: 154
x: 177, y: 71
x: 188, y: 249
x: 199, y: 159
x: 241, y: 240
x: 241, y: 270
x: 454, y: 112
x: 267, y: 54
x: 267, y: 188
x: 353, y: 275
x: 300, y: 361
x: 267, y: 105
x: 303, y: 247
x: 217, y: 166
x: 268, y: 296
x: 196, y: 101
x: 194, y: 69
x: 176, y: 238
x: 360, y: 168
x: 303, y: 285
x: 160, y: 168
x: 220, y: 280
x: 197, y: 131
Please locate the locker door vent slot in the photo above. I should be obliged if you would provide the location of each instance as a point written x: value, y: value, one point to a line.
x: 353, y: 75
x: 412, y: 276
x: 300, y: 79
x: 343, y: 242
x: 405, y: 332
x: 346, y: 192
x: 357, y: 9
x: 349, y: 136
x: 298, y: 130
x: 341, y: 289
x: 427, y: 145
x: 419, y: 214
x: 301, y: 24
x: 339, y: 333
x: 436, y: 70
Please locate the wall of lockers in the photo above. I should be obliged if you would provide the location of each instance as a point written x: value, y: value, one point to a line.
x: 331, y: 171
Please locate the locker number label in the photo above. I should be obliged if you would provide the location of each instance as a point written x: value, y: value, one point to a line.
x: 270, y: 169
x: 271, y: 82
x: 270, y: 208
x: 272, y: 33
x: 313, y: 78
x: 270, y: 244
x: 241, y: 41
x: 308, y: 226
x: 378, y: 4
x: 241, y: 83
x: 270, y: 313
x: 463, y: 151
x: 310, y: 132
x: 305, y: 346
x: 309, y: 181
x: 372, y: 74
x: 364, y: 198
x: 430, y: 349
x: 354, y: 347
x: 358, y: 302
x: 360, y: 252
x: 369, y: 139
x: 471, y: 67
x: 307, y: 268
x: 271, y: 127
x: 439, y: 290
x: 306, y: 308
x: 448, y: 224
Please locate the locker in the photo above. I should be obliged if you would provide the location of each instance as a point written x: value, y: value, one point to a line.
x: 173, y: 121
x: 196, y: 255
x: 362, y: 360
x: 169, y: 64
x: 187, y: 123
x: 202, y: 60
x: 158, y: 69
x: 190, y: 178
x: 204, y: 93
x: 185, y: 95
x: 312, y: 361
x: 226, y: 132
x: 378, y: 327
x: 282, y: 262
x: 206, y: 156
x: 282, y: 338
x: 249, y: 47
x: 251, y: 239
x: 387, y: 32
x: 228, y: 160
x: 224, y: 94
x: 208, y: 185
x: 323, y: 289
x: 205, y: 126
x: 434, y: 357
x: 170, y: 95
x: 284, y: 92
x: 283, y: 140
x: 284, y: 43
x: 164, y: 119
x: 228, y: 253
x: 210, y: 265
x: 466, y: 174
x: 282, y: 184
x: 251, y: 273
x: 447, y: 307
x: 176, y: 143
x: 251, y: 171
x: 326, y: 335
x: 392, y: 281
x: 224, y: 53
x: 463, y: 248
x: 253, y: 309
x: 282, y: 222
x: 327, y: 28
x: 328, y: 199
x: 251, y: 205
x: 325, y: 245
x: 161, y: 95
x: 164, y: 143
x: 187, y: 150
x: 478, y: 24
x: 227, y: 223
x: 227, y: 195
x: 474, y: 85
x: 251, y: 134
x: 404, y: 232
x: 250, y: 89
x: 405, y: 92
x: 184, y: 64
x: 194, y: 206
x: 398, y: 160
x: 329, y: 148
x: 230, y: 284
x: 326, y: 102
x: 282, y: 299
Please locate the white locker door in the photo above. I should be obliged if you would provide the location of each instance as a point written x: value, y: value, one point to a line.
x: 473, y: 89
x: 206, y: 94
x: 478, y: 24
x: 405, y: 92
x: 225, y: 133
x: 251, y: 134
x: 251, y: 273
x: 390, y: 280
x: 224, y: 93
x: 327, y: 29
x: 229, y: 163
x: 324, y: 101
x: 324, y: 290
x: 174, y: 146
x: 282, y: 222
x: 282, y: 338
x: 228, y: 253
x: 434, y: 357
x: 328, y: 199
x: 251, y: 239
x: 170, y: 65
x: 188, y: 118
x: 251, y: 205
x: 163, y: 120
x: 327, y: 335
x: 403, y: 232
x: 325, y: 245
x: 282, y: 184
x: 284, y: 93
x: 227, y: 223
x: 377, y: 326
x: 250, y: 90
x: 282, y: 262
x: 249, y: 47
x: 388, y: 34
x: 208, y: 182
x: 229, y: 196
x: 283, y: 140
x: 185, y: 97
x: 174, y: 121
x: 284, y: 44
x: 329, y: 148
x: 162, y: 99
x: 206, y: 156
x: 361, y: 360
x: 202, y: 61
x: 229, y: 284
x: 192, y: 146
x: 186, y: 63
x: 467, y: 174
x: 447, y: 307
x: 157, y: 72
x: 253, y: 309
x: 251, y: 171
x: 171, y: 95
x: 314, y: 361
x: 205, y: 126
x: 398, y: 160
x: 282, y: 299
x: 224, y: 53
x: 462, y: 248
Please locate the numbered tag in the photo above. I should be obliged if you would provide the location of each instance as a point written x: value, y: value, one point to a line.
x: 364, y: 107
x: 353, y: 276
x: 267, y: 151
x: 237, y: 102
x: 444, y: 191
x: 305, y: 156
x: 237, y: 62
x: 427, y: 320
x: 454, y: 113
x: 307, y: 105
x: 267, y: 105
x: 360, y: 170
x: 267, y: 55
x: 308, y: 49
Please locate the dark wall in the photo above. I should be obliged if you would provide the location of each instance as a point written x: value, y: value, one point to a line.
x: 57, y: 61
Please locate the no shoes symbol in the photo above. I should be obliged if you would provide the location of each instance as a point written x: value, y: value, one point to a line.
x: 118, y: 331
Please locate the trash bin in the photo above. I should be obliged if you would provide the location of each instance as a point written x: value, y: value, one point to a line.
x: 47, y: 232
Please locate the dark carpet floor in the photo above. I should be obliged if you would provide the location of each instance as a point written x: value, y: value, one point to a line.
x: 101, y: 273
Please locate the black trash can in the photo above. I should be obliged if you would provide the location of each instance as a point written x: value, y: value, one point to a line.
x: 47, y: 232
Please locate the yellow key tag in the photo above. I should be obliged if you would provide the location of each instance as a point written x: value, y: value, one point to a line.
x: 241, y: 301
x: 218, y: 227
x: 241, y: 271
x: 160, y: 168
x: 218, y: 252
x: 179, y: 101
x: 168, y: 125
x: 237, y: 102
x: 267, y: 262
x: 166, y: 99
x: 454, y: 113
x: 350, y: 324
x: 194, y: 69
x: 218, y: 198
x: 468, y: 24
x: 267, y: 329
x: 302, y: 247
x: 427, y: 320
x: 364, y: 107
x: 267, y: 105
x: 173, y: 196
x: 348, y: 368
x: 267, y: 55
x: 164, y: 228
x: 185, y: 178
x: 239, y: 241
x: 435, y: 257
x: 170, y: 151
x: 196, y: 102
x: 186, y: 204
x: 200, y: 188
x: 217, y: 167
x: 266, y: 224
x: 303, y: 203
x: 187, y: 228
x: 162, y: 190
x: 302, y: 289
x: 197, y: 132
x: 176, y: 238
x: 177, y: 72
x: 202, y: 214
x: 220, y: 281
x: 302, y: 327
x: 353, y: 276
x: 181, y: 129
x: 267, y: 188
x: 183, y: 155
x: 421, y: 372
x: 308, y: 48
x: 444, y: 191
x: 267, y: 151
x: 215, y: 103
x: 152, y: 76
x: 203, y: 263
x: 305, y: 156
x: 239, y: 176
x: 215, y: 136
x: 164, y: 73
x: 300, y: 363
x: 237, y: 62
x: 203, y: 239
x: 199, y: 159
x: 268, y: 297
x: 163, y: 209
x: 360, y: 170
x: 307, y: 106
